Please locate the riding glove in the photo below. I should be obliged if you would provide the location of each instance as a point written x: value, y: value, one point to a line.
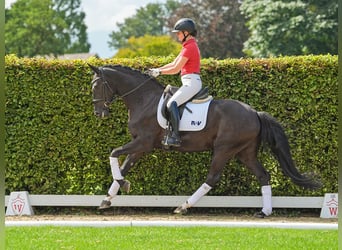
x: 154, y: 72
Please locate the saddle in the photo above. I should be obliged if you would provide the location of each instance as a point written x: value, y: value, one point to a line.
x: 200, y: 97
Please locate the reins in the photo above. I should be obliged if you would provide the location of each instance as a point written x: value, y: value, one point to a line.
x: 136, y: 88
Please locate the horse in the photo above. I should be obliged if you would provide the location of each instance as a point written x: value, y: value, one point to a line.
x: 233, y: 129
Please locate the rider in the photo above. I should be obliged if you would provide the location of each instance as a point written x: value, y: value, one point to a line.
x: 188, y: 64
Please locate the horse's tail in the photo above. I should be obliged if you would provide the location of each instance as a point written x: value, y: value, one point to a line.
x: 272, y: 134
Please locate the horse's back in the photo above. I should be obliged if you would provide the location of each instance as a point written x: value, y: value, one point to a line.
x: 233, y: 117
x: 233, y: 108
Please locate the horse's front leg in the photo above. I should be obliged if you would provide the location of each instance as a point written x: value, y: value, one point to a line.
x: 129, y: 162
x: 118, y: 172
x: 134, y: 151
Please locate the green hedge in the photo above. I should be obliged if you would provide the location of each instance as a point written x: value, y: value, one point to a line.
x: 55, y: 145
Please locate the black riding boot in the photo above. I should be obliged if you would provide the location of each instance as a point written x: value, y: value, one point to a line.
x: 173, y: 139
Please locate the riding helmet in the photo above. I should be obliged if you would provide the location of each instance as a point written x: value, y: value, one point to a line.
x: 185, y: 24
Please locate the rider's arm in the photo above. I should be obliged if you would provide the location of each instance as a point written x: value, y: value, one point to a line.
x: 174, y: 67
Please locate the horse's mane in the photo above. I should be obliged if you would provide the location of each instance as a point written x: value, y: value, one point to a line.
x: 130, y: 70
x: 123, y: 68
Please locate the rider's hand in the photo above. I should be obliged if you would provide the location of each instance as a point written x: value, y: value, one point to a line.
x: 154, y: 72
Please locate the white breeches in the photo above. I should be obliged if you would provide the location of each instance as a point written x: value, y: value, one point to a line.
x: 191, y: 85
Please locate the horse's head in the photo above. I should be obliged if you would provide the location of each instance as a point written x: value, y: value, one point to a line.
x: 103, y: 94
x: 129, y: 84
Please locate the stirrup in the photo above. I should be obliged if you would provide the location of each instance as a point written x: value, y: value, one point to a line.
x: 171, y: 141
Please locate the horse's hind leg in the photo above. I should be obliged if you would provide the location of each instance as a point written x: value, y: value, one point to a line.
x: 249, y: 158
x: 217, y: 165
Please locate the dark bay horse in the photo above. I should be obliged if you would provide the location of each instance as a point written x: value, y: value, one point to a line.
x: 233, y: 129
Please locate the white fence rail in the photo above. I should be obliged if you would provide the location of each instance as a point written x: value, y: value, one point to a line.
x: 172, y: 201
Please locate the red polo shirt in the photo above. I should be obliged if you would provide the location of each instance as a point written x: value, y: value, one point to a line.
x: 191, y: 51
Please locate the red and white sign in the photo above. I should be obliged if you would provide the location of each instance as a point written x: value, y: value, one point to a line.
x: 18, y: 204
x: 330, y: 206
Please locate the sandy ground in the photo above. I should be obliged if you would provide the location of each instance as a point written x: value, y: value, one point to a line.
x: 114, y: 214
x: 163, y: 216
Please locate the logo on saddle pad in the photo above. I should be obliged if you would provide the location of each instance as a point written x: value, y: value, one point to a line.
x: 194, y: 117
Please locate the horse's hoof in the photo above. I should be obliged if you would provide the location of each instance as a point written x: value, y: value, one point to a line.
x: 180, y: 210
x: 105, y: 204
x: 126, y: 186
x: 260, y: 215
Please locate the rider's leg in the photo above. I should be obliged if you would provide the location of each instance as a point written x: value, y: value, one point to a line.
x: 191, y: 85
x: 174, y: 139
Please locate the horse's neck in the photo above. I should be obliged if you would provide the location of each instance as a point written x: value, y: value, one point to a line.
x: 140, y: 92
x: 145, y: 97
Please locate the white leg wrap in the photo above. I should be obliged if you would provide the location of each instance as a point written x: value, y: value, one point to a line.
x: 113, y: 190
x: 266, y: 192
x: 114, y: 164
x: 203, y: 190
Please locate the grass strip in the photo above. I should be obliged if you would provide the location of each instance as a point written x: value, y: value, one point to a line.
x: 57, y: 237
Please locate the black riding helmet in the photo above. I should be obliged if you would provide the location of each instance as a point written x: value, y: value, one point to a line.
x: 185, y: 24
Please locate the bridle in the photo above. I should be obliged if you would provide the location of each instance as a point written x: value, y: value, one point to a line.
x: 106, y: 86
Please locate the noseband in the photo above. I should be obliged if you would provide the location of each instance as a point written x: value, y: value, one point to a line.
x: 106, y: 85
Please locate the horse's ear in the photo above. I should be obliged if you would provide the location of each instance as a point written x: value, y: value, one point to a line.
x: 95, y: 69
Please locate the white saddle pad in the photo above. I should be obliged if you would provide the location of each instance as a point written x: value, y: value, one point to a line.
x: 194, y: 121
